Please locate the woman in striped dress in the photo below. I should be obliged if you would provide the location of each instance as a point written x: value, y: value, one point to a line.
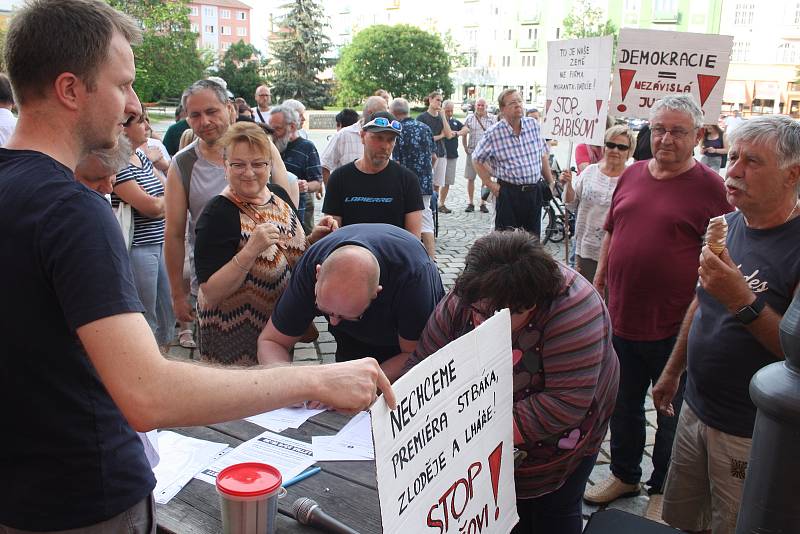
x: 143, y: 188
x: 565, y: 369
x: 248, y: 239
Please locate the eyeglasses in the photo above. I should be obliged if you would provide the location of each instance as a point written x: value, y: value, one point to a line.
x: 240, y: 167
x: 383, y: 122
x: 677, y: 133
x: 336, y: 316
x: 610, y: 145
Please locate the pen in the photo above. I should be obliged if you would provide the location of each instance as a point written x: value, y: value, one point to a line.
x: 302, y: 476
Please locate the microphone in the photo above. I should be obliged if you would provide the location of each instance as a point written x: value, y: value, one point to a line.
x: 308, y: 512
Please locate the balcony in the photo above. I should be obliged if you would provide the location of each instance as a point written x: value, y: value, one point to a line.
x: 530, y: 14
x: 528, y: 45
x: 666, y: 16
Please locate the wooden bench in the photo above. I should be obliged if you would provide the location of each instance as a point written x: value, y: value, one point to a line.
x: 162, y: 105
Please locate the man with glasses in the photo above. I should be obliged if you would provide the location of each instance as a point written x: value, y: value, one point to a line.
x: 263, y: 102
x: 373, y: 188
x: 373, y: 282
x: 514, y: 152
x: 648, y: 263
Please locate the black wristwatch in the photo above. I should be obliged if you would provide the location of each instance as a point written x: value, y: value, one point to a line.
x: 750, y: 313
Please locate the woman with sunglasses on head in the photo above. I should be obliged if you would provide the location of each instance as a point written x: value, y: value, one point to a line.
x: 589, y: 197
x: 248, y: 238
x: 565, y: 368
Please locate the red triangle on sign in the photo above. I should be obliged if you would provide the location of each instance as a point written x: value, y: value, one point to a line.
x: 706, y: 83
x: 599, y: 104
x: 547, y: 106
x: 625, y: 79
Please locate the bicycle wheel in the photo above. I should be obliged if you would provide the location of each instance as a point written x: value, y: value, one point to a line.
x: 552, y: 226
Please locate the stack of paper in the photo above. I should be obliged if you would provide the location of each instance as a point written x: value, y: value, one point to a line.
x: 182, y: 458
x: 353, y: 442
x: 283, y: 418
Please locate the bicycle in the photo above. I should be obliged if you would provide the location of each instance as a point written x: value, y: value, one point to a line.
x: 554, y: 215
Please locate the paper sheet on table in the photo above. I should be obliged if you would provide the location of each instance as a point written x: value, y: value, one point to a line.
x: 182, y: 458
x: 356, y: 436
x: 326, y: 450
x: 283, y: 418
x: 290, y: 456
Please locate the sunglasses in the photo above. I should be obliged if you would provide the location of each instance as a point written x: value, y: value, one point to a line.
x: 610, y: 145
x: 383, y: 122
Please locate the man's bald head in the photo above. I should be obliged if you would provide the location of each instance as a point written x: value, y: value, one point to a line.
x: 347, y: 282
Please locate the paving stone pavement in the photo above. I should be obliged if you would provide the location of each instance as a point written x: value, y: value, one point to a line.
x: 457, y: 231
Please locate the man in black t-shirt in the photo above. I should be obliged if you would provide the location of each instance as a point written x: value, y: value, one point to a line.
x: 374, y: 189
x: 80, y: 366
x: 376, y: 286
x: 440, y: 128
x: 731, y: 328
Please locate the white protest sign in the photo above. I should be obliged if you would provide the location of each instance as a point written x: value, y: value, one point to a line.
x: 444, y: 457
x: 578, y: 76
x: 654, y: 63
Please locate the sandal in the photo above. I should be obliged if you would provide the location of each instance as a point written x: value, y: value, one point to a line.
x: 186, y: 339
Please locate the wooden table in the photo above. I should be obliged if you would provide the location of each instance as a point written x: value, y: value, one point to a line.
x: 345, y: 490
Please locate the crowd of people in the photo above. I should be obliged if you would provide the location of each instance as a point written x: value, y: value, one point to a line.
x: 116, y: 238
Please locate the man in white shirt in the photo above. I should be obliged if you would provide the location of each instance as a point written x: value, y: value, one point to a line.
x: 7, y: 120
x: 263, y: 102
x: 346, y: 146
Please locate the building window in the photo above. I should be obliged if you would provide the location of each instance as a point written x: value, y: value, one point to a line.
x: 241, y: 31
x: 225, y: 30
x: 508, y: 35
x: 241, y: 15
x: 796, y: 13
x: 208, y: 11
x: 226, y: 46
x: 533, y: 34
x: 743, y: 15
x: 787, y: 53
x: 209, y: 28
x: 195, y: 28
x: 558, y: 33
x: 472, y: 59
x: 194, y: 11
x: 740, y: 52
x: 225, y: 13
x: 632, y: 5
x: 528, y: 60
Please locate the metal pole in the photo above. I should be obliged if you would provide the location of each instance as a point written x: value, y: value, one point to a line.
x: 772, y: 484
x: 566, y: 214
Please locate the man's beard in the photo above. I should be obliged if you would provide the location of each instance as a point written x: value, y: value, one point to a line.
x: 281, y: 142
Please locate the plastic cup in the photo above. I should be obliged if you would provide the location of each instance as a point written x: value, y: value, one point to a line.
x: 249, y: 494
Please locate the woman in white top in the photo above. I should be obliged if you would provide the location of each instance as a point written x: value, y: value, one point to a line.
x: 590, y: 196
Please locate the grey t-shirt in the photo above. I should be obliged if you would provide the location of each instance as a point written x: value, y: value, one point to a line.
x: 722, y: 354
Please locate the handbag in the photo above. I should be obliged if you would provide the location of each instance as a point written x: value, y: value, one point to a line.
x: 124, y: 215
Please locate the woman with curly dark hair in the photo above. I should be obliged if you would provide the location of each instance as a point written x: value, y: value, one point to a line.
x: 565, y: 369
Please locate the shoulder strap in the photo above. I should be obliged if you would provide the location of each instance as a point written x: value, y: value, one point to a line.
x: 184, y: 162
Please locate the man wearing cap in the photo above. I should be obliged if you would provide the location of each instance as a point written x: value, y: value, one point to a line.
x: 373, y: 188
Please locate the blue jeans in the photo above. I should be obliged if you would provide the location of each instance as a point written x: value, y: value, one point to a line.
x: 152, y: 283
x: 558, y: 512
x: 640, y: 364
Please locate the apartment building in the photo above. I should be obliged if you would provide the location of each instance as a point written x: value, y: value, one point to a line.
x: 220, y: 23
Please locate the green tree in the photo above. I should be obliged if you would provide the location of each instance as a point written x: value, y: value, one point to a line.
x: 167, y: 61
x: 584, y: 20
x: 299, y: 55
x: 402, y: 59
x: 240, y: 68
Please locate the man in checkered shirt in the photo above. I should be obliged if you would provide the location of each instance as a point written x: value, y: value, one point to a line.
x: 514, y: 152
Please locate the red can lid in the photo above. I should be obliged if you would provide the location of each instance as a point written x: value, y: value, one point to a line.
x: 250, y: 479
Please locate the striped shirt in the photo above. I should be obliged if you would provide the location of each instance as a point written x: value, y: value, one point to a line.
x: 516, y: 159
x: 344, y: 147
x: 146, y: 231
x: 561, y: 413
x: 302, y: 159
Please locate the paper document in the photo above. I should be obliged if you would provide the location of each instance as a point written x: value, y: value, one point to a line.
x: 356, y: 436
x: 283, y: 418
x: 182, y: 458
x: 290, y: 456
x: 325, y: 450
